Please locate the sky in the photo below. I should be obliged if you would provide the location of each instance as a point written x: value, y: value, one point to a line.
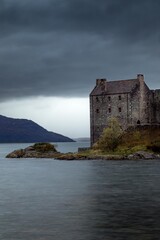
x: 52, y: 51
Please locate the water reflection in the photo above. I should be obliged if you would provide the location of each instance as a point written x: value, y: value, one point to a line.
x: 126, y: 203
x: 43, y: 199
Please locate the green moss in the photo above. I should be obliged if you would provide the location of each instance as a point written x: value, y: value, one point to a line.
x: 44, y: 147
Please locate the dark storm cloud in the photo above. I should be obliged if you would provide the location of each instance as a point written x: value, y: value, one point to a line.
x: 135, y: 19
x: 59, y: 47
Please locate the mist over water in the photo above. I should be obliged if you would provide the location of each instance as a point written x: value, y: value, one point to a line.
x: 45, y: 199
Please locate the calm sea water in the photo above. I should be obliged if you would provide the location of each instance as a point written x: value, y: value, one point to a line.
x: 45, y: 199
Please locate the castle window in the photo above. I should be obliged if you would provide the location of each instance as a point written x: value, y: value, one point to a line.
x: 138, y: 122
x: 97, y: 99
x: 109, y: 98
x: 97, y: 110
x: 120, y: 109
x: 109, y: 110
x: 119, y: 97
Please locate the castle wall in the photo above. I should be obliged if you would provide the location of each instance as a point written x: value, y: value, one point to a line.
x: 145, y: 106
x: 97, y: 116
x: 144, y: 93
x: 134, y: 114
x: 155, y: 106
x: 118, y: 106
x: 103, y: 107
x: 125, y: 107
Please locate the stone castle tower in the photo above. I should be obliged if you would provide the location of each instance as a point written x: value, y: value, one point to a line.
x: 130, y: 101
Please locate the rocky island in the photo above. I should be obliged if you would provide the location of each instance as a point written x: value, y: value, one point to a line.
x: 47, y: 150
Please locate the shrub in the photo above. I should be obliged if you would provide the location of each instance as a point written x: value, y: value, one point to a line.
x: 111, y: 136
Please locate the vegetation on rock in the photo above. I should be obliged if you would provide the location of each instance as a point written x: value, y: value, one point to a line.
x: 44, y: 147
x: 38, y: 150
x: 146, y: 138
x: 135, y: 139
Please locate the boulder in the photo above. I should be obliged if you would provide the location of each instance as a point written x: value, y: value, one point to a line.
x: 38, y: 150
x: 143, y: 155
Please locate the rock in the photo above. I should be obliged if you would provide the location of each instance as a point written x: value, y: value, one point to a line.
x: 38, y: 150
x: 143, y: 155
x: 16, y: 154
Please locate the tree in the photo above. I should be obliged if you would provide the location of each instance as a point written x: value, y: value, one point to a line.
x: 111, y: 136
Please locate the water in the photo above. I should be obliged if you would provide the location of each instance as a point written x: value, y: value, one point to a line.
x: 45, y: 199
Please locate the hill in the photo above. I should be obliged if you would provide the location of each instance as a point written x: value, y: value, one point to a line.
x: 26, y: 131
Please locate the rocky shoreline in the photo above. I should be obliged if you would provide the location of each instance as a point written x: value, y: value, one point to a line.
x: 49, y: 152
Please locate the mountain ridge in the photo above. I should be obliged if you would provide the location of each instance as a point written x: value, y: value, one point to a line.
x: 16, y: 130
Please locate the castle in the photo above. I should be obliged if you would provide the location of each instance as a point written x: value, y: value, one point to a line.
x: 130, y: 101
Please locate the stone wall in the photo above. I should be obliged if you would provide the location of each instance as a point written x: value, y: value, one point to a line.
x: 97, y: 116
x: 134, y: 114
x: 103, y: 107
x: 155, y: 106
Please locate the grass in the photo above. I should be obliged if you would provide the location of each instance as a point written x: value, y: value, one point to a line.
x: 134, y: 140
x: 139, y: 139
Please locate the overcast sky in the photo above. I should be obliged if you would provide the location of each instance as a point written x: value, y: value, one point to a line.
x: 52, y: 51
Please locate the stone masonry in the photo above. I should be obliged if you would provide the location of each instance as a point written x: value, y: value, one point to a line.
x: 130, y: 101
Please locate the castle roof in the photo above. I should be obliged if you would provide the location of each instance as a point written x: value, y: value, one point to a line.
x: 115, y: 87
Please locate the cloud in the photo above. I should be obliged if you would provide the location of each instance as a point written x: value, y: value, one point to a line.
x: 123, y: 18
x: 59, y: 47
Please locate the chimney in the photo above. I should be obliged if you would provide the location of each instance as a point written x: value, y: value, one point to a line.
x: 101, y: 82
x: 140, y: 77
